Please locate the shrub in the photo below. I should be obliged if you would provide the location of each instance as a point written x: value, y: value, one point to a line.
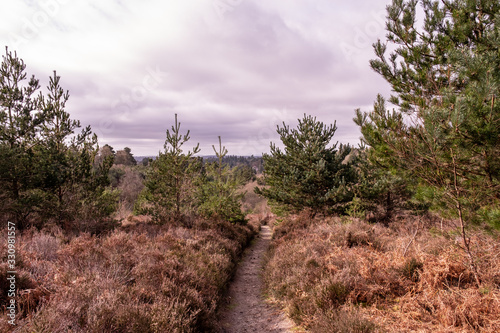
x: 343, y: 321
x: 309, y: 172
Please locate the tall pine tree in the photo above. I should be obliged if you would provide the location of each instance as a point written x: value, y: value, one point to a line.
x: 46, y: 171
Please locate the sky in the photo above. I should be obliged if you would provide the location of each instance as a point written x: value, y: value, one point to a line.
x: 229, y: 68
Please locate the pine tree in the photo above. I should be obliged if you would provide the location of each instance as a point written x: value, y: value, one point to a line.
x: 445, y: 129
x: 170, y: 184
x: 45, y: 171
x: 74, y: 184
x: 19, y: 126
x: 308, y: 173
x: 218, y: 192
x: 378, y: 191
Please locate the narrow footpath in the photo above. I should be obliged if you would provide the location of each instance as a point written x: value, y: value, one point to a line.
x: 248, y: 311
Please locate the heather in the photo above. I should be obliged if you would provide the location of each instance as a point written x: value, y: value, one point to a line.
x: 137, y: 278
x: 347, y: 275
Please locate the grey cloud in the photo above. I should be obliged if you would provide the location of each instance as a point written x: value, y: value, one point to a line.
x: 237, y: 76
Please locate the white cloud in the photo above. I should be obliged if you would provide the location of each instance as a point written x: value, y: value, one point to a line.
x: 235, y: 70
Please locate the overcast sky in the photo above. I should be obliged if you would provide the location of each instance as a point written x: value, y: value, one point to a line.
x: 235, y: 68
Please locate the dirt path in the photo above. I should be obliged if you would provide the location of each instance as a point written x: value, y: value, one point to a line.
x: 248, y: 311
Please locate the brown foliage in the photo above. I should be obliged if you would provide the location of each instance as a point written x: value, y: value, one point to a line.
x: 349, y: 275
x: 142, y: 278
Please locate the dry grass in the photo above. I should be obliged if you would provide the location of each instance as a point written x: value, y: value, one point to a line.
x: 349, y: 276
x: 140, y: 278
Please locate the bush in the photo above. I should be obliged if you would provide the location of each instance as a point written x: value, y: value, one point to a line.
x: 343, y: 322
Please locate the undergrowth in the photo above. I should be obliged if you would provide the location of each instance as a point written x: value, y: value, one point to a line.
x: 140, y: 278
x: 339, y: 275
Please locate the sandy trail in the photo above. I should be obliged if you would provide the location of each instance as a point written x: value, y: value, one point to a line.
x: 248, y: 311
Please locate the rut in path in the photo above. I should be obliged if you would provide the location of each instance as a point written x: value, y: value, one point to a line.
x: 248, y: 311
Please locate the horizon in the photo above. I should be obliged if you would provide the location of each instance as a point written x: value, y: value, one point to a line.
x: 234, y: 69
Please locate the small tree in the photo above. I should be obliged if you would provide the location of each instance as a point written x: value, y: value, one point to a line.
x: 445, y: 75
x: 125, y: 157
x: 170, y: 182
x: 218, y: 193
x: 19, y: 125
x: 74, y: 182
x: 308, y: 173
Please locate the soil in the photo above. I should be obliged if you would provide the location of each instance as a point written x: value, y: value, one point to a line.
x: 247, y: 310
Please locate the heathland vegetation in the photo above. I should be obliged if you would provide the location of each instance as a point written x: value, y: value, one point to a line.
x: 103, y: 244
x: 428, y: 171
x: 399, y: 234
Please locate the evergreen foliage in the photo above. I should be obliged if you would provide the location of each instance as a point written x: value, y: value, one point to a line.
x: 445, y: 129
x: 446, y: 79
x: 218, y: 193
x: 46, y: 172
x: 253, y: 162
x: 309, y: 173
x: 18, y: 130
x: 65, y: 161
x: 378, y: 191
x: 170, y: 191
x: 125, y: 157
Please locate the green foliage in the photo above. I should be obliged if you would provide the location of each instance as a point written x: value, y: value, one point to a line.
x: 308, y: 173
x: 356, y: 208
x: 489, y: 215
x: 218, y: 193
x: 172, y: 178
x: 46, y: 171
x: 115, y: 174
x: 244, y: 173
x: 446, y: 80
x: 70, y: 176
x: 445, y: 128
x: 378, y: 190
x: 252, y: 162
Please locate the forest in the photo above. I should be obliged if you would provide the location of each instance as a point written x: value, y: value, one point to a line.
x: 400, y: 233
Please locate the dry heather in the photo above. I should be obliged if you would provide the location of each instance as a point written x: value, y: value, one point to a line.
x: 142, y: 278
x: 350, y: 276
